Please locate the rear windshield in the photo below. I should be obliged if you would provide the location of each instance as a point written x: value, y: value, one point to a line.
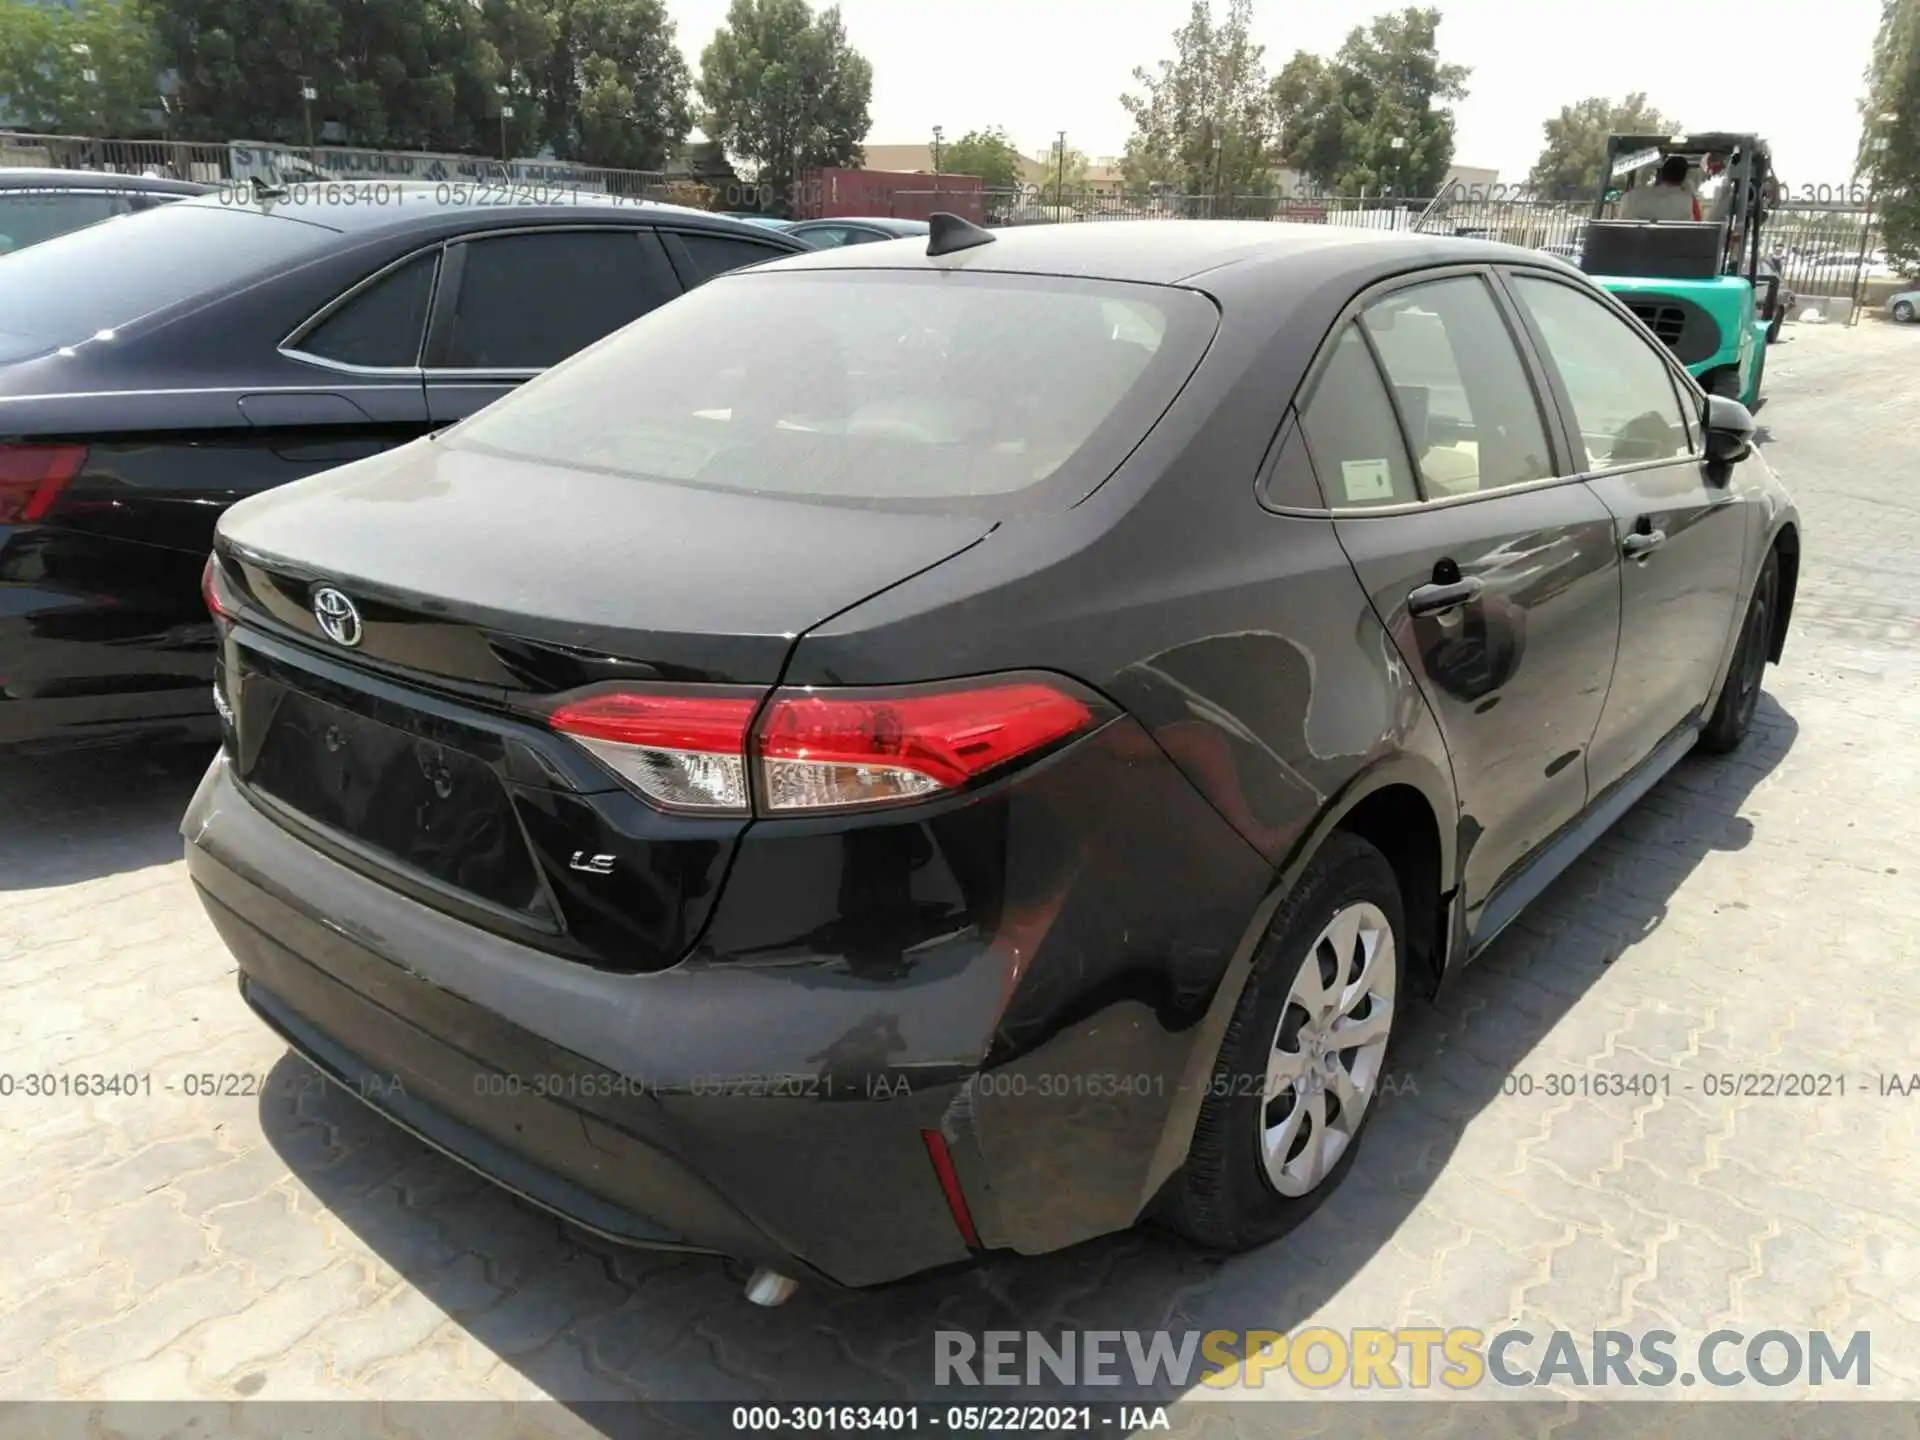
x: 29, y: 216
x: 893, y: 388
x: 112, y: 273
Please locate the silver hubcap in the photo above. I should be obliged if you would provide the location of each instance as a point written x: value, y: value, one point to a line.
x: 1325, y: 1064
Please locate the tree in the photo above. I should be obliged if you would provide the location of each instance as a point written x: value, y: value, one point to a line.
x: 1339, y: 119
x: 1573, y: 160
x: 988, y: 154
x: 600, y: 81
x: 398, y: 74
x: 1203, y: 119
x: 1063, y: 177
x: 1890, y: 141
x: 44, y: 79
x: 1309, y: 104
x: 618, y: 91
x: 782, y: 89
x: 525, y: 35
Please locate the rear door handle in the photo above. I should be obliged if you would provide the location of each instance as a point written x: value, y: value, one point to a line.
x: 1436, y: 599
x: 1642, y: 543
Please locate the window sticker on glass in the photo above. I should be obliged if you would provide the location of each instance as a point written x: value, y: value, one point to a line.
x: 1366, y: 480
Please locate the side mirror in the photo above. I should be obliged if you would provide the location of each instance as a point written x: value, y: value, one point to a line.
x: 1729, y: 427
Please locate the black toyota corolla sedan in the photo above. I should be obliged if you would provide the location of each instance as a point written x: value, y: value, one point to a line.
x: 156, y: 367
x: 911, y: 751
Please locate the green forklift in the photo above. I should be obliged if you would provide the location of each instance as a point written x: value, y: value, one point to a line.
x: 1700, y: 286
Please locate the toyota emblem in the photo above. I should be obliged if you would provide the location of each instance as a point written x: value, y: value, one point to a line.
x: 337, y: 615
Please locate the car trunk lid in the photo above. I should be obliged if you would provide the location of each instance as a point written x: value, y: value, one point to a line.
x: 483, y: 570
x: 413, y: 746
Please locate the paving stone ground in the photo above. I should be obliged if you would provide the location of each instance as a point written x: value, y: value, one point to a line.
x: 1758, y: 914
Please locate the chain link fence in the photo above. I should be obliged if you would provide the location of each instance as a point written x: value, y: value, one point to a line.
x: 1824, y: 251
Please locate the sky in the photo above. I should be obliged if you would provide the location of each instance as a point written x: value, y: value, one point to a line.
x: 1037, y: 67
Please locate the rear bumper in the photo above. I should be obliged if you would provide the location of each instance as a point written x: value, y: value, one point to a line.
x: 101, y: 642
x: 623, y: 1102
x: 73, y: 724
x: 1035, y: 977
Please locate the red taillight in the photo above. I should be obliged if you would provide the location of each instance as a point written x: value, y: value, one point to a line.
x: 32, y: 477
x: 949, y: 1178
x: 818, y: 749
x: 213, y: 591
x: 684, y: 752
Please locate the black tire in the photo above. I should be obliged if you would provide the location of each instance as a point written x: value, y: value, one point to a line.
x: 1903, y: 312
x: 1224, y: 1200
x: 1725, y: 381
x: 1773, y: 325
x: 1740, y: 696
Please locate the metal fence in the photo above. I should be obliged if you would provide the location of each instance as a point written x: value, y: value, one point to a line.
x: 1822, y: 250
x: 240, y: 160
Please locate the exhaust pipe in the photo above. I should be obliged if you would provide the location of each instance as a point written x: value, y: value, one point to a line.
x: 769, y: 1287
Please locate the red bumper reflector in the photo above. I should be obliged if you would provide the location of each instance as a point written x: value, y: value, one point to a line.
x: 950, y: 1185
x: 32, y: 477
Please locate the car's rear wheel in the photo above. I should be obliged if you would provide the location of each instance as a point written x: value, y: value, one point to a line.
x: 1740, y: 696
x: 1903, y: 311
x: 1305, y: 1056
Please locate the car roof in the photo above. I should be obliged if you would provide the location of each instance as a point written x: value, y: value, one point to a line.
x: 50, y: 178
x: 344, y: 205
x: 1169, y: 252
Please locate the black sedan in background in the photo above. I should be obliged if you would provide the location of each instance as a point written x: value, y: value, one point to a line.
x: 37, y: 204
x: 918, y: 750
x: 159, y: 367
x: 856, y: 230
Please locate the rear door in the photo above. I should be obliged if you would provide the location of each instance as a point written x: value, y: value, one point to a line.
x: 512, y: 303
x: 1495, y: 573
x: 353, y: 389
x: 1682, y: 535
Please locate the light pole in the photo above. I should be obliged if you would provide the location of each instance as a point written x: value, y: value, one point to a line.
x: 307, y: 96
x: 1398, y: 145
x: 939, y: 134
x: 88, y: 76
x: 1060, y: 184
x: 506, y: 114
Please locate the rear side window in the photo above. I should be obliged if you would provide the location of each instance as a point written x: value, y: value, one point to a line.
x: 1622, y: 392
x: 382, y: 326
x: 28, y: 217
x: 529, y: 301
x: 899, y: 388
x: 1352, y: 433
x: 1464, y: 396
x: 825, y: 237
x: 106, y: 276
x: 716, y: 254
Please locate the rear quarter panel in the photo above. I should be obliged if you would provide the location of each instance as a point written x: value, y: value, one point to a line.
x: 1241, y: 645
